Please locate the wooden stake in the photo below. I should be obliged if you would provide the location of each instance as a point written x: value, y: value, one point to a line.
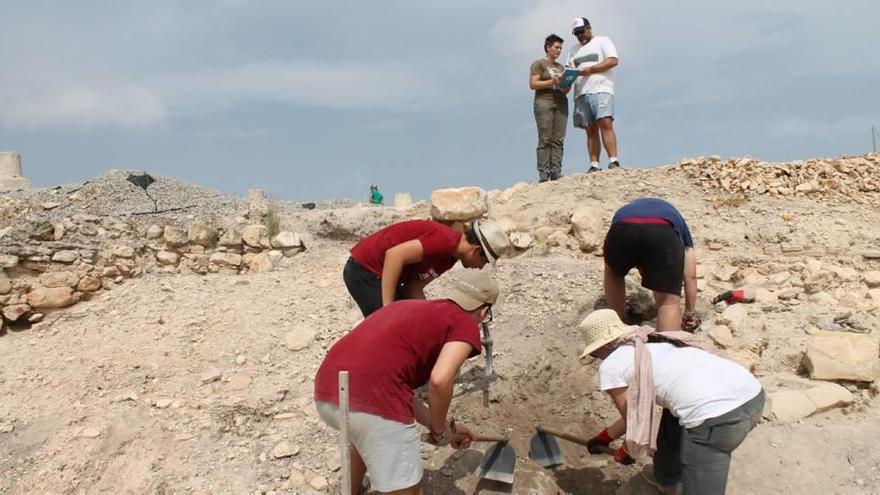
x: 345, y: 460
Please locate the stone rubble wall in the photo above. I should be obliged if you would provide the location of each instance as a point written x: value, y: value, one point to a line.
x: 46, y: 266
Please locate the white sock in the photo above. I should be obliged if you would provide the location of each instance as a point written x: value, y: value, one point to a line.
x: 612, y: 159
x: 594, y: 164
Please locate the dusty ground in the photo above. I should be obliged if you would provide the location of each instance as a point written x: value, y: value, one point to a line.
x: 118, y: 394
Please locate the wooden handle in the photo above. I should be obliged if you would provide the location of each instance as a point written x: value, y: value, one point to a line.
x: 574, y: 439
x: 562, y: 435
x: 490, y: 438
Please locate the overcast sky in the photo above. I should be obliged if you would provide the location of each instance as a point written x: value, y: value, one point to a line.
x: 316, y: 100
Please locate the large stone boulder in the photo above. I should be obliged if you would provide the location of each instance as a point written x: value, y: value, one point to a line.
x: 5, y: 283
x: 255, y: 236
x: 842, y: 356
x: 458, y: 204
x: 588, y: 227
x: 175, y: 236
x: 201, y: 234
x: 59, y: 279
x: 286, y: 240
x: 225, y: 260
x: 13, y: 312
x: 51, y: 297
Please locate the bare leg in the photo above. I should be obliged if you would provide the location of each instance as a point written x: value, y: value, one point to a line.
x: 593, y: 144
x: 358, y: 470
x: 615, y: 292
x: 668, y: 311
x: 609, y: 139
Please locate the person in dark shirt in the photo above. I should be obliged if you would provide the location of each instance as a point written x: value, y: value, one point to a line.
x: 649, y: 234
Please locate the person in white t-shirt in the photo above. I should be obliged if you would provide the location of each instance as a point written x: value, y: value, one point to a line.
x: 594, y: 57
x: 709, y: 403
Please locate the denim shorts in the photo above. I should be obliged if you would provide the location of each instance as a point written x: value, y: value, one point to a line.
x: 591, y: 107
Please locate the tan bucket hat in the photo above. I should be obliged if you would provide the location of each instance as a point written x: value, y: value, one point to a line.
x: 599, y: 328
x: 472, y: 288
x: 493, y: 240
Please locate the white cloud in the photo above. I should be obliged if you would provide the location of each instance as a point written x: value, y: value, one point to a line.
x: 83, y: 107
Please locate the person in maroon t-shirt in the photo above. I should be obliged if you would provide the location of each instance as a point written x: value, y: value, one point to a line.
x: 398, y: 261
x: 388, y: 356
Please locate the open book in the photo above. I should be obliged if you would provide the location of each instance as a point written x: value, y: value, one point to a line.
x: 568, y: 78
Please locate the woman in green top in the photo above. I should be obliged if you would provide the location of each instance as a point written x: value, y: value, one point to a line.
x: 551, y: 109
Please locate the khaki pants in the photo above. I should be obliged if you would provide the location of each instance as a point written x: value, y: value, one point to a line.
x: 551, y: 117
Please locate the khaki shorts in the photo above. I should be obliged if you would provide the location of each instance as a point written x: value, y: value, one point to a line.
x: 390, y: 449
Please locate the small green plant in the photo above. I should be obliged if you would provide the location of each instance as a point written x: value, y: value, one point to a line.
x: 272, y: 220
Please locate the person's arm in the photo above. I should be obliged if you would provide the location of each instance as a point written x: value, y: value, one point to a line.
x: 607, y: 64
x: 536, y: 83
x: 442, y: 382
x: 618, y: 428
x: 405, y: 253
x: 416, y: 290
x: 690, y: 279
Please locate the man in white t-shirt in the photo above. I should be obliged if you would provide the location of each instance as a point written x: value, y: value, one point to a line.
x: 709, y: 403
x: 594, y: 57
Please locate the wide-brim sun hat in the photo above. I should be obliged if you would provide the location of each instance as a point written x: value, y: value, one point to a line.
x: 492, y: 239
x: 472, y: 288
x: 599, y: 328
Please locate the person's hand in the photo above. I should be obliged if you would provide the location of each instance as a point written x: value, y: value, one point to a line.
x: 461, y: 438
x: 690, y: 321
x: 602, y: 439
x: 585, y: 72
x: 622, y: 456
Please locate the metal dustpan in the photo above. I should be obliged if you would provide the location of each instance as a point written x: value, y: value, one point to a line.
x: 545, y: 451
x: 499, y: 463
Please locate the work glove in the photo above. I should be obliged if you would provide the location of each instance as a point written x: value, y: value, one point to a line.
x: 602, y: 439
x: 622, y: 456
x: 735, y: 296
x: 690, y: 321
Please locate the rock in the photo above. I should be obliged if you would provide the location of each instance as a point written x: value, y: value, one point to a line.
x: 874, y: 296
x: 823, y: 298
x: 90, y: 433
x: 284, y: 449
x: 588, y: 227
x: 202, y: 235
x: 463, y: 203
x: 726, y: 273
x: 89, y: 283
x: 42, y: 231
x: 51, y: 297
x: 871, y: 278
x: 126, y: 252
x: 521, y: 240
x: 828, y: 396
x: 402, y: 201
x: 36, y: 317
x: 260, y: 263
x: 780, y: 278
x: 167, y: 258
x: 239, y: 382
x: 286, y: 240
x: 721, y: 335
x: 788, y: 406
x: 163, y: 403
x: 255, y: 236
x: 6, y: 427
x: 211, y: 374
x: 225, y: 260
x: 175, y: 236
x: 65, y: 256
x: 5, y: 283
x: 299, y: 338
x: 734, y: 316
x: 59, y: 279
x: 8, y: 261
x: 319, y: 483
x: 844, y: 273
x: 13, y: 312
x: 842, y: 356
x: 154, y: 231
x: 230, y: 238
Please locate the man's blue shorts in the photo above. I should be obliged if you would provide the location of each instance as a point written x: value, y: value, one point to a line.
x: 589, y: 108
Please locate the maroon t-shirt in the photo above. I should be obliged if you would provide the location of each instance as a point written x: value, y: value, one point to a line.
x: 392, y: 353
x: 438, y: 243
